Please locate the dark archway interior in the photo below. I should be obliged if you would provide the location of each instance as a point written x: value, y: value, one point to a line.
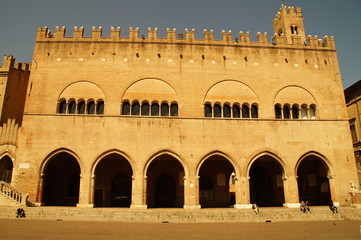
x: 266, y: 184
x: 113, y: 182
x: 214, y: 189
x: 165, y: 183
x: 61, y: 181
x: 6, y: 169
x: 313, y: 184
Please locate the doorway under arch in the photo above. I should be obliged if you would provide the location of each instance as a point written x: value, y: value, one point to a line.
x: 313, y: 183
x: 266, y: 184
x: 113, y: 182
x: 6, y: 169
x: 61, y: 181
x: 214, y: 182
x: 165, y: 183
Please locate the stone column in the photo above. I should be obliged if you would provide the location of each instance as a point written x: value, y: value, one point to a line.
x: 243, y: 197
x: 39, y: 193
x: 85, y: 191
x: 139, y: 191
x: 333, y: 190
x: 191, y: 192
x: 290, y: 189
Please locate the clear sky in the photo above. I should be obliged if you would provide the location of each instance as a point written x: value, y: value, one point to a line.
x: 19, y: 20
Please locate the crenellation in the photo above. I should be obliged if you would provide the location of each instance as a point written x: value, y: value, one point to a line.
x: 59, y: 32
x: 226, y: 36
x: 115, y: 33
x: 190, y: 35
x: 171, y: 34
x: 153, y: 34
x: 97, y: 33
x: 208, y: 36
x: 244, y: 38
x: 133, y: 33
x: 262, y: 38
x: 78, y: 32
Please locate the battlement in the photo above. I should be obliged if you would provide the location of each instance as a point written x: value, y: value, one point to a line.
x: 10, y: 64
x: 284, y: 10
x: 172, y: 36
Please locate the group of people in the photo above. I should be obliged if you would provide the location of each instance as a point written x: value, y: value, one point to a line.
x: 305, y: 207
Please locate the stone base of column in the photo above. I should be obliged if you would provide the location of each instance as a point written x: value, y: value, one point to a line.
x: 138, y: 206
x: 242, y: 206
x: 192, y: 206
x: 292, y: 205
x: 82, y: 205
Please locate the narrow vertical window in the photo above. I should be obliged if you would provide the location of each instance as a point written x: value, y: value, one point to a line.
x: 278, y: 111
x: 90, y: 107
x: 155, y: 109
x: 72, y: 107
x: 245, y: 111
x: 174, y: 109
x: 207, y: 110
x: 126, y: 108
x: 226, y: 111
x: 135, y: 108
x: 217, y: 110
x: 100, y: 107
x: 254, y: 111
x: 145, y: 109
x: 313, y: 111
x: 164, y: 109
x: 236, y: 111
x: 62, y: 106
x: 286, y: 112
x: 304, y: 112
x: 295, y: 112
x: 81, y: 107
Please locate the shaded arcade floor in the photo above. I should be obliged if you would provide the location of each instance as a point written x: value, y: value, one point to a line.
x: 16, y: 229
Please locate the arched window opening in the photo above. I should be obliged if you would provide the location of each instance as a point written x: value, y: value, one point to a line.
x: 304, y: 112
x: 6, y: 169
x: 236, y: 111
x: 126, y: 108
x: 164, y: 109
x: 286, y: 112
x: 62, y: 106
x: 72, y: 107
x: 91, y: 107
x: 81, y: 107
x: 295, y: 112
x: 245, y: 111
x: 145, y: 109
x: 207, y: 110
x: 155, y: 109
x: 174, y: 109
x: 254, y: 111
x: 226, y: 111
x: 100, y: 107
x: 217, y: 110
x: 313, y: 111
x: 278, y: 111
x: 294, y: 29
x: 135, y: 108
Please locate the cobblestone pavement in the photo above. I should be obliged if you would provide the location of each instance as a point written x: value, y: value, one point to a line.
x: 16, y: 229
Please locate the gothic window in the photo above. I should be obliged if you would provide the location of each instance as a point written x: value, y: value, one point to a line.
x: 207, y: 110
x: 217, y: 110
x: 126, y: 108
x: 90, y: 107
x: 155, y: 109
x: 278, y: 111
x: 226, y: 111
x: 62, y: 106
x: 286, y: 112
x: 81, y: 107
x: 236, y: 111
x: 71, y: 107
x: 164, y: 109
x: 145, y: 109
x: 295, y: 112
x: 100, y: 107
x: 174, y: 109
x: 294, y: 29
x: 245, y: 111
x: 254, y: 111
x: 135, y: 108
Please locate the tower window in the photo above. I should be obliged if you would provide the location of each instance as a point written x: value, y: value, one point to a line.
x: 294, y: 29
